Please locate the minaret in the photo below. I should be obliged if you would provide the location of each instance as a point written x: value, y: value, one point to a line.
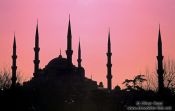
x: 160, y: 70
x: 69, y: 50
x: 109, y: 65
x: 79, y: 56
x: 14, y: 67
x: 36, y: 50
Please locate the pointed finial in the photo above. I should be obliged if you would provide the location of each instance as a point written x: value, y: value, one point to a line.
x: 79, y: 54
x: 60, y: 51
x: 79, y: 45
x: 37, y: 23
x: 159, y: 35
x: 14, y: 34
x: 69, y: 18
x: 60, y: 56
x: 14, y: 41
x: 109, y: 34
x: 69, y: 23
x: 79, y: 41
x: 37, y: 35
x: 109, y: 41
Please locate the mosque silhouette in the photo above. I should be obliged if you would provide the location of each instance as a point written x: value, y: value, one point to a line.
x: 63, y: 86
x: 65, y: 72
x: 60, y: 70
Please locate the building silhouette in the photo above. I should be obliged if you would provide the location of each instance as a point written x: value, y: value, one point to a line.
x: 160, y: 70
x: 66, y: 74
x: 14, y: 67
x: 60, y: 73
x: 63, y: 86
x: 109, y: 65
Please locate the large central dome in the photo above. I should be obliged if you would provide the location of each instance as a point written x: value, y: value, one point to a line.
x: 57, y: 63
x: 60, y: 66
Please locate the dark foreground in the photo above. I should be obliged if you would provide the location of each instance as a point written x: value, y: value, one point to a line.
x: 24, y: 98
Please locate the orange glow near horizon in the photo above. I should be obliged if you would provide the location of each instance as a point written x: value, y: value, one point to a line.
x: 133, y: 27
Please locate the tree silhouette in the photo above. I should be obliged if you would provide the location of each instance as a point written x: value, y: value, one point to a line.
x: 169, y: 76
x: 134, y: 84
x: 5, y: 79
x: 101, y: 84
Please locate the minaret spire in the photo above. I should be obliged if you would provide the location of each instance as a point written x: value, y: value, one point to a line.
x: 14, y: 67
x: 79, y: 55
x: 36, y: 50
x: 109, y: 65
x: 160, y: 70
x: 69, y: 50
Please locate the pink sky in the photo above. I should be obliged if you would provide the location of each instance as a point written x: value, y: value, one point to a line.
x: 133, y: 25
